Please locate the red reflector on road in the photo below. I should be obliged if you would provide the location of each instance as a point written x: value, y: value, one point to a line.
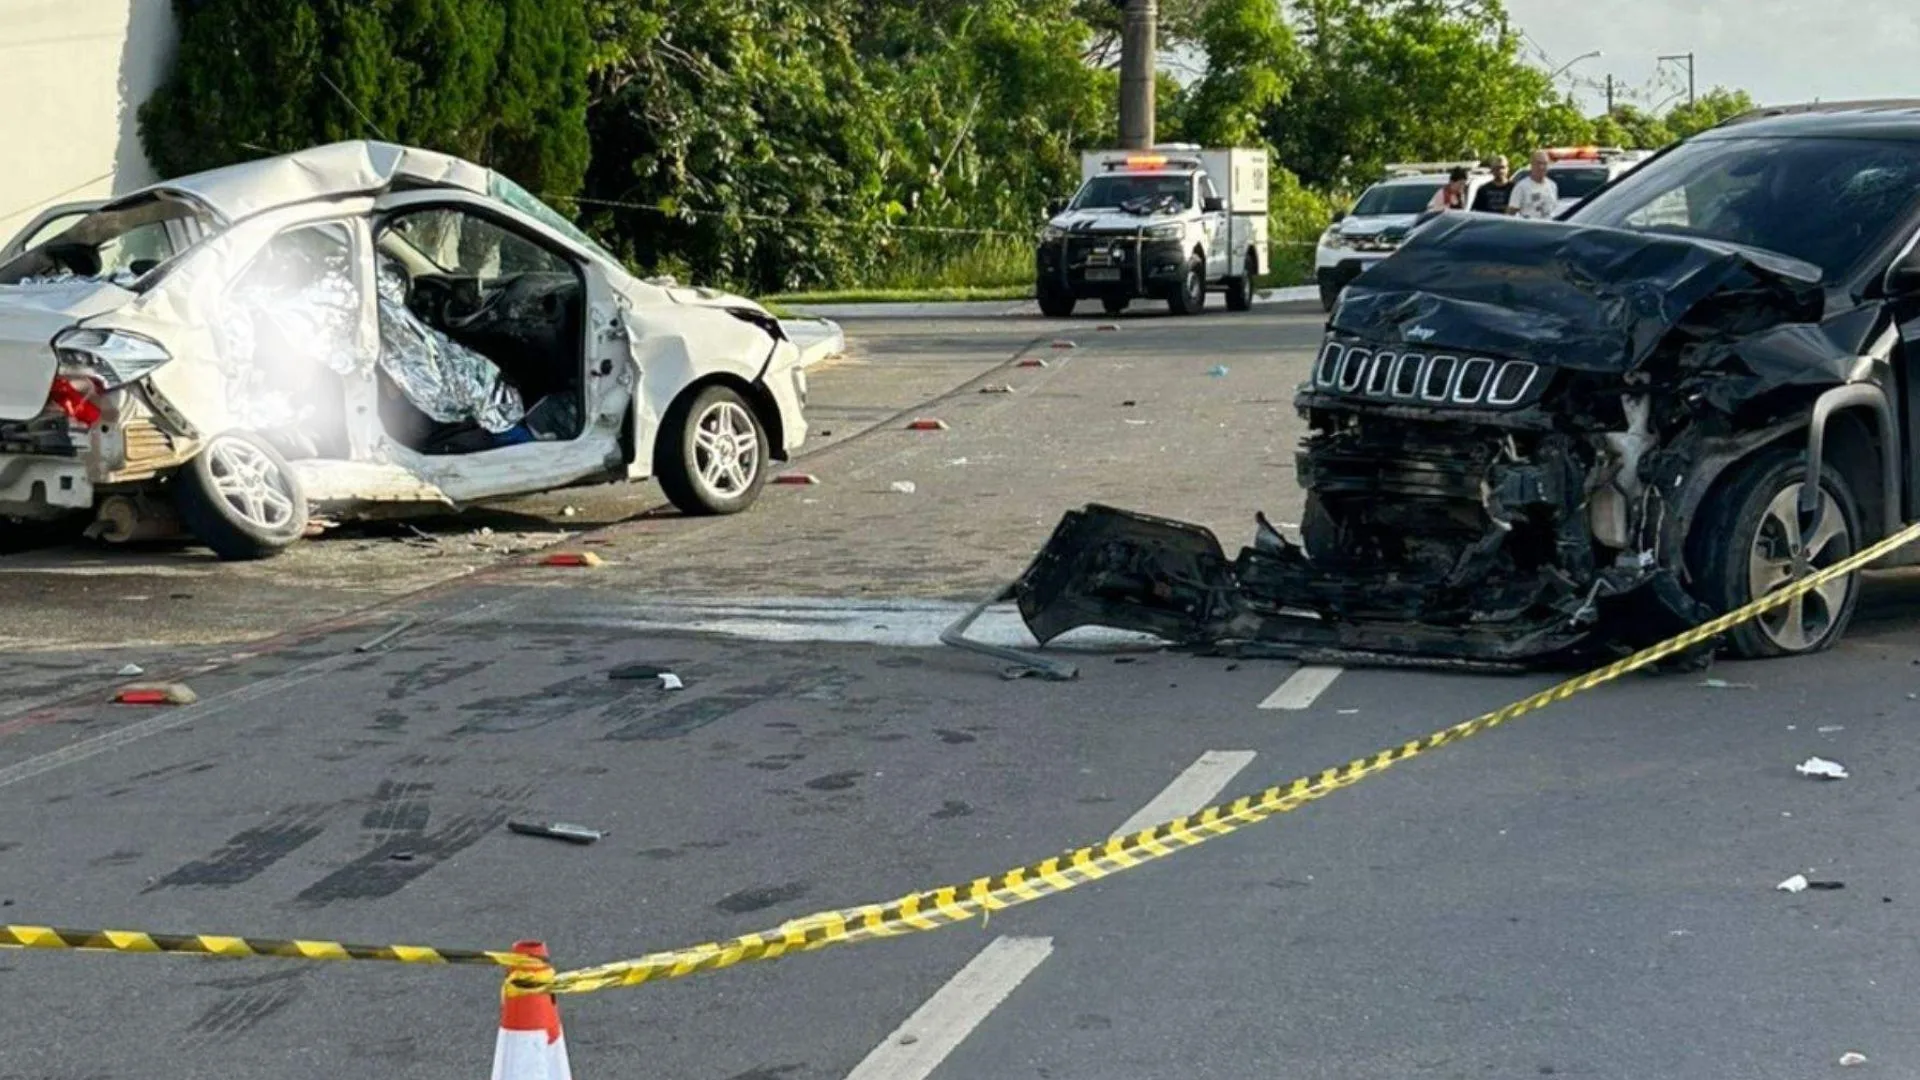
x: 927, y: 424
x: 1033, y: 361
x: 1107, y: 327
x: 796, y: 478
x: 572, y: 558
x: 1064, y: 344
x: 167, y: 694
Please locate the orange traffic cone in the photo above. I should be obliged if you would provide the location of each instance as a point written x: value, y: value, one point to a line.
x: 531, y: 1045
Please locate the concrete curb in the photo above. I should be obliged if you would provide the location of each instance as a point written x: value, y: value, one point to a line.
x: 993, y: 309
x: 818, y: 339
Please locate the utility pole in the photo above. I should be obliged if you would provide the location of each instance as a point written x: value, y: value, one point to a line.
x: 1688, y: 57
x: 1609, y: 93
x: 1139, y: 29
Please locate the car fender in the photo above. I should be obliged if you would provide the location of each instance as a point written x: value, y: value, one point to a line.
x: 681, y: 349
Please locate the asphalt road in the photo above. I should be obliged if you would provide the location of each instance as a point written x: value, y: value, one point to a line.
x: 1588, y: 892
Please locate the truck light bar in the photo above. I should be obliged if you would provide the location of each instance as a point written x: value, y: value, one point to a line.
x: 1150, y: 162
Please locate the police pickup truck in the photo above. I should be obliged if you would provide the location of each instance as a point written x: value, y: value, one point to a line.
x: 1169, y: 223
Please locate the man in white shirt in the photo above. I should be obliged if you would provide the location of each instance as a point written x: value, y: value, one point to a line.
x: 1535, y: 194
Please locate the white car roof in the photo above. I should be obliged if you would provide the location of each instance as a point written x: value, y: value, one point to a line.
x: 323, y: 172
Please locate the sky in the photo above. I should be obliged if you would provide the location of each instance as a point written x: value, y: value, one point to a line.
x: 1779, y: 51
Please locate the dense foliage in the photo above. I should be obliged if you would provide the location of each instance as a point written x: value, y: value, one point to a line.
x: 784, y: 144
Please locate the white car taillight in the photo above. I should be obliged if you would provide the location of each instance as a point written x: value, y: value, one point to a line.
x: 112, y: 358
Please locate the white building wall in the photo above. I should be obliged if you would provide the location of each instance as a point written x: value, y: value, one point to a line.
x: 73, y: 74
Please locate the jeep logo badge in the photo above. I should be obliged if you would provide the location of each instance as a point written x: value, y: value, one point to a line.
x: 1420, y: 333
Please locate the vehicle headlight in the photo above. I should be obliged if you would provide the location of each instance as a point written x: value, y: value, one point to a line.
x: 1053, y: 232
x: 1173, y: 231
x: 114, y: 357
x: 1332, y: 238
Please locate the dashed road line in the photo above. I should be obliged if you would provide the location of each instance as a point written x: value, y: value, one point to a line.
x: 1302, y: 688
x: 918, y: 1046
x: 1191, y: 790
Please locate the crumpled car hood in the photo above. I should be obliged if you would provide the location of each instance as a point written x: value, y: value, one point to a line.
x: 1570, y: 296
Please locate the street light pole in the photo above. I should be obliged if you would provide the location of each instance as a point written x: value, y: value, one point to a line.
x: 1137, y: 46
x: 1688, y: 57
x: 1557, y: 72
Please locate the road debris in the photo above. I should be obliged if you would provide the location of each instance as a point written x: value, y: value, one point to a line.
x: 131, y: 669
x: 636, y: 671
x: 904, y: 487
x: 1853, y: 1057
x: 1722, y: 684
x: 1128, y: 404
x: 997, y: 388
x: 670, y: 681
x: 1033, y: 361
x: 573, y: 558
x: 796, y: 478
x: 958, y: 461
x: 156, y: 694
x: 569, y: 511
x: 572, y: 834
x: 1821, y: 768
x: 927, y: 423
x: 1794, y: 884
x: 1218, y: 371
x: 1828, y: 729
x: 391, y: 632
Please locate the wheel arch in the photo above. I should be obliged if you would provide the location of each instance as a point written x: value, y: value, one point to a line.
x: 756, y: 394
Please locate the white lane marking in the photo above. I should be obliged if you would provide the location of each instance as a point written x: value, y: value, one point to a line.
x: 1191, y: 790
x: 214, y: 706
x: 1301, y: 688
x: 918, y: 1046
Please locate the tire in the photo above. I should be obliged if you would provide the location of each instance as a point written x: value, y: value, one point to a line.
x: 1739, y: 541
x: 1053, y: 303
x: 707, y: 467
x: 1114, y: 305
x: 1191, y: 298
x: 1329, y: 295
x: 1240, y: 289
x: 239, y: 497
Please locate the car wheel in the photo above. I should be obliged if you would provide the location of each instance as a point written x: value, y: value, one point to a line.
x: 1055, y: 305
x: 1114, y: 305
x: 1240, y: 289
x: 1751, y: 540
x: 713, y: 453
x: 1329, y: 295
x: 239, y: 497
x: 1192, y: 295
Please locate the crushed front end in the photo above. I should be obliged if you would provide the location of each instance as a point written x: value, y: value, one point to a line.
x: 1489, y: 464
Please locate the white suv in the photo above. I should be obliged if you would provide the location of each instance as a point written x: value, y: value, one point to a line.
x: 1379, y: 221
x: 1578, y: 172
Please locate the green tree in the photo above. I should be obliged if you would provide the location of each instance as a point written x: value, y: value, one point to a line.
x: 1631, y: 128
x: 1250, y: 57
x: 1687, y: 120
x: 1384, y: 80
x: 470, y: 77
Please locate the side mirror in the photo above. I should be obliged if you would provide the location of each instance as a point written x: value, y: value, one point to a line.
x: 1056, y: 206
x: 1903, y: 277
x: 1339, y: 216
x: 1212, y: 205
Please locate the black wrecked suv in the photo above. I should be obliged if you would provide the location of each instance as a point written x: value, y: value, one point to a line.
x: 1532, y: 440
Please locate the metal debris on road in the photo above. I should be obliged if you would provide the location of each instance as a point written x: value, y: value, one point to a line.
x: 670, y: 681
x: 131, y: 669
x: 572, y: 834
x: 1822, y: 769
x: 904, y: 487
x: 401, y: 627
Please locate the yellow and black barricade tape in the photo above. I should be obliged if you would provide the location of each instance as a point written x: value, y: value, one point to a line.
x: 140, y: 941
x: 935, y: 908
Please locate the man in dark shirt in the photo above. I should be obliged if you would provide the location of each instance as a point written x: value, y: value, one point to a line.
x: 1492, y: 197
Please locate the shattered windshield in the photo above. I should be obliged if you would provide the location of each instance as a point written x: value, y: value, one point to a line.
x: 1382, y: 200
x: 1115, y: 192
x: 121, y: 244
x: 1825, y: 201
x: 523, y: 200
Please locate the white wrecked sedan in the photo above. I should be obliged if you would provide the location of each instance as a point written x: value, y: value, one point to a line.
x: 357, y: 329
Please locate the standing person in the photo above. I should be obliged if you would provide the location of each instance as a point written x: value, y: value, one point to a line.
x: 1454, y: 195
x: 1535, y: 194
x: 1494, y: 194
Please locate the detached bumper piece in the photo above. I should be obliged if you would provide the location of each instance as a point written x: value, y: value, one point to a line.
x: 1126, y: 571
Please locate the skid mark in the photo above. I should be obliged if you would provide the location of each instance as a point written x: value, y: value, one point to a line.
x: 243, y: 1009
x: 250, y: 852
x: 431, y: 675
x: 399, y: 806
x: 398, y: 861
